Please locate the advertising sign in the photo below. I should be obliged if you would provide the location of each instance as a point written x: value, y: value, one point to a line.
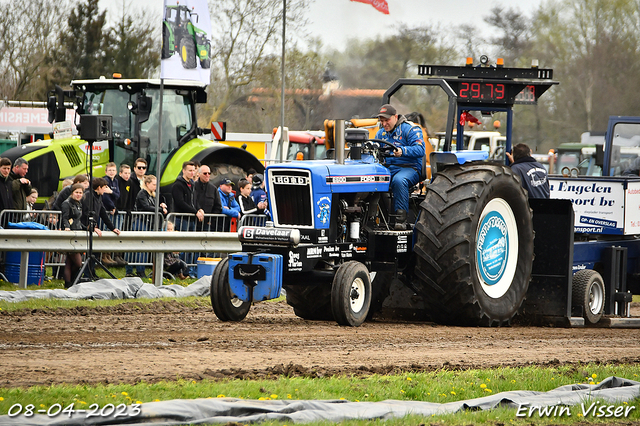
x: 632, y: 210
x: 598, y: 205
x: 186, y: 41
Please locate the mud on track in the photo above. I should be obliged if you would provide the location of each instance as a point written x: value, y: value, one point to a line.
x: 166, y: 340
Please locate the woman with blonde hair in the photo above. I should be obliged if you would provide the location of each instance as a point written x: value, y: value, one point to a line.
x: 146, y: 198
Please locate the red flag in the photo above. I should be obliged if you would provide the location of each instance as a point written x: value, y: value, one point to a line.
x: 380, y: 5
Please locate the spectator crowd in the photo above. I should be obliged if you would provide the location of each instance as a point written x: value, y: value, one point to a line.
x: 113, y: 198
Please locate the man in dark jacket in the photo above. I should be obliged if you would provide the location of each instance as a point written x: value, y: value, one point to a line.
x: 20, y: 185
x: 207, y: 197
x: 6, y: 196
x: 532, y: 174
x: 184, y: 200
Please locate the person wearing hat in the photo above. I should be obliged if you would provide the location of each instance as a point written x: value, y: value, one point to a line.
x: 230, y: 206
x: 259, y: 195
x: 406, y: 160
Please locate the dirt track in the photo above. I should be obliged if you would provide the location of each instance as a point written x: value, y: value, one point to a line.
x: 167, y: 340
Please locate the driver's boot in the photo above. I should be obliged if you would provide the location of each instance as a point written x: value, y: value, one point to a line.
x: 401, y: 220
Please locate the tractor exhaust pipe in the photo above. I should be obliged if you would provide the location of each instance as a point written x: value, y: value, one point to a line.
x: 339, y: 141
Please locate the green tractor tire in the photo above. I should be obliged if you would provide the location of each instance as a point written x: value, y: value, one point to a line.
x: 188, y: 52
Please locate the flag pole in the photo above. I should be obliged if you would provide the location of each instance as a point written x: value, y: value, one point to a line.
x: 284, y: 26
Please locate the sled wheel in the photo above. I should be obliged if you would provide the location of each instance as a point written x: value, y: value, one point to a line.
x: 351, y: 294
x: 226, y: 308
x: 188, y: 52
x: 310, y: 302
x: 474, y: 245
x: 587, y: 290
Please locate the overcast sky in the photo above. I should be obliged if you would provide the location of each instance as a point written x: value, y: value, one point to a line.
x: 335, y: 21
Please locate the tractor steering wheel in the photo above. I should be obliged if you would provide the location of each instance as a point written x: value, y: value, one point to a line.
x: 387, y: 148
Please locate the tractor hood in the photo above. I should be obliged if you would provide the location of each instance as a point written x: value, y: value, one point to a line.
x: 301, y: 192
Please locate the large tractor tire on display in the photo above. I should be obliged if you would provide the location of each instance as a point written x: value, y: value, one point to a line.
x: 474, y: 245
x: 166, y: 45
x: 351, y: 294
x: 587, y: 290
x: 225, y: 307
x: 188, y: 52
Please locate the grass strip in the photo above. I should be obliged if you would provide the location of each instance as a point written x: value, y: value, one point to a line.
x: 440, y: 386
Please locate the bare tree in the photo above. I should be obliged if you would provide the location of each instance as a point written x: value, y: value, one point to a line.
x: 247, y: 31
x: 28, y: 32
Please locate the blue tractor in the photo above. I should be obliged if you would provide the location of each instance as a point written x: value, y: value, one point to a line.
x: 468, y: 257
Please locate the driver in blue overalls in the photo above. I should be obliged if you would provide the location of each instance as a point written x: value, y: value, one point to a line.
x: 406, y: 160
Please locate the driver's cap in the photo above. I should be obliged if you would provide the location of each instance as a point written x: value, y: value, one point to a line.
x: 386, y: 111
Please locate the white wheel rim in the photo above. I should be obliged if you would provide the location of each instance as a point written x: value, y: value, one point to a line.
x: 357, y: 295
x: 496, y: 248
x: 596, y: 297
x: 236, y: 302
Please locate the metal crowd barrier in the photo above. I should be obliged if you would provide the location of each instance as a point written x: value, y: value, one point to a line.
x: 136, y: 221
x: 139, y: 222
x: 52, y: 219
x: 211, y: 223
x: 253, y: 220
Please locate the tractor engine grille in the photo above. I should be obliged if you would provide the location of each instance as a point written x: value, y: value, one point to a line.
x: 292, y: 196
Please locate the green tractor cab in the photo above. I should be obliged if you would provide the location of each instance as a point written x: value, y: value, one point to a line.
x: 180, y: 35
x: 134, y: 106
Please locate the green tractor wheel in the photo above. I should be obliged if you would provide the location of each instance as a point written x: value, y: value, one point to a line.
x: 166, y: 44
x: 188, y: 52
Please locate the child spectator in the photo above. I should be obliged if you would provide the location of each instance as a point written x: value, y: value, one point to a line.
x: 110, y: 199
x: 71, y: 214
x: 172, y: 262
x: 247, y: 206
x: 125, y: 202
x: 31, y: 202
x: 259, y: 195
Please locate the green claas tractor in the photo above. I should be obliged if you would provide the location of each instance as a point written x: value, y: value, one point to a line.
x: 180, y: 35
x: 134, y: 108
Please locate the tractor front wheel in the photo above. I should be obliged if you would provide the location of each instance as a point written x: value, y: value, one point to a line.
x: 226, y: 308
x: 351, y: 294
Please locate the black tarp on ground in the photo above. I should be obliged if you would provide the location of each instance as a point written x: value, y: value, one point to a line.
x: 223, y: 410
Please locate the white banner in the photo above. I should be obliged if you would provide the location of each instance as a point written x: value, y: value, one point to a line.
x: 186, y: 41
x: 598, y: 205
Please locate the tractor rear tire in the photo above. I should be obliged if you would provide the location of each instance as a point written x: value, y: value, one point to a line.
x: 310, y: 302
x: 588, y: 291
x: 225, y: 307
x: 474, y: 245
x: 380, y: 286
x: 166, y: 48
x: 351, y: 294
x: 219, y: 171
x: 188, y: 52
